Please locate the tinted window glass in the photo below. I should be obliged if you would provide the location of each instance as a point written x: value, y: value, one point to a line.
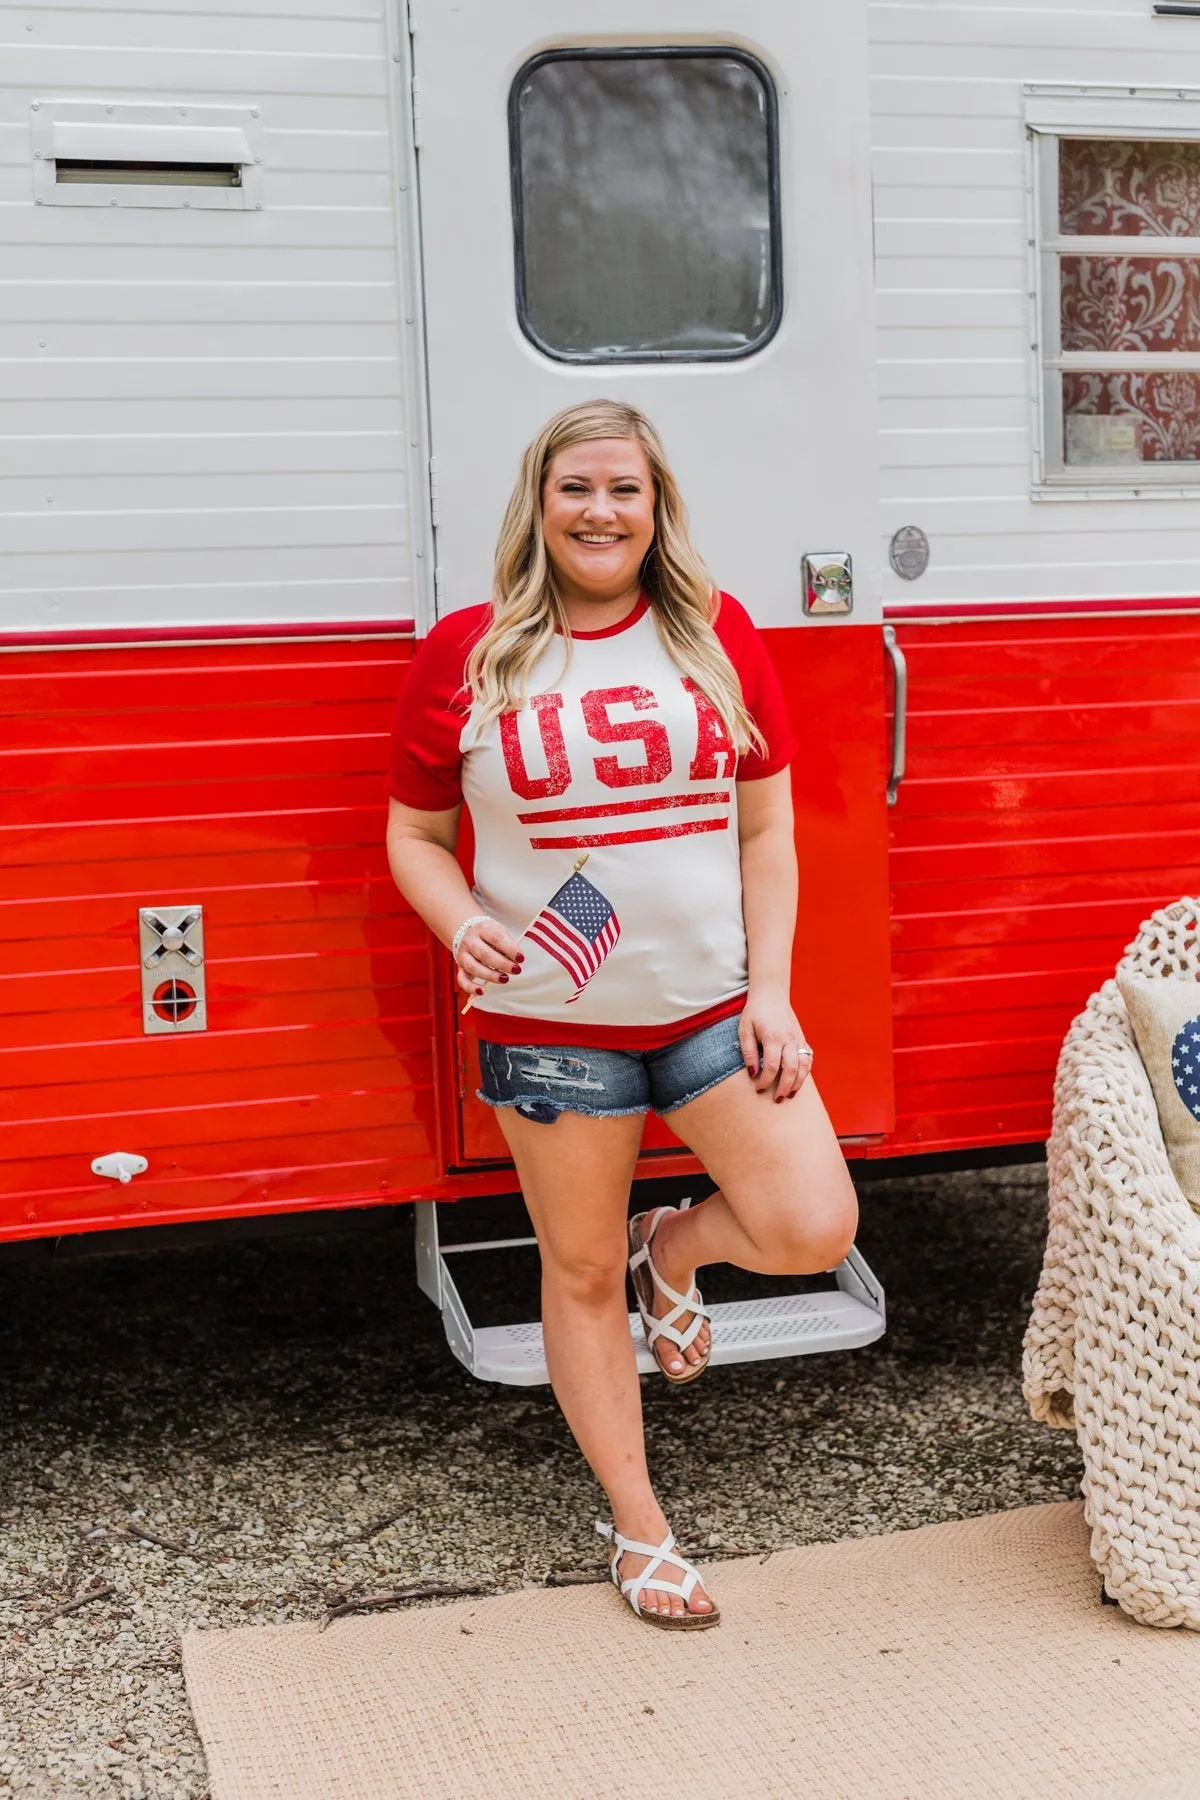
x: 645, y: 201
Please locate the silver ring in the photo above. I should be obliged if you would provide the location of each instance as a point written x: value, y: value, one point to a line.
x: 805, y: 1050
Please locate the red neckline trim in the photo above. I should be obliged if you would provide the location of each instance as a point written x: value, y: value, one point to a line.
x: 631, y: 618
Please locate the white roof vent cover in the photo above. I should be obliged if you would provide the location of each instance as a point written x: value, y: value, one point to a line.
x: 145, y: 153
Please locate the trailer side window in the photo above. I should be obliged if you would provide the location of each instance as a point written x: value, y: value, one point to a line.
x: 646, y: 204
x: 1121, y: 309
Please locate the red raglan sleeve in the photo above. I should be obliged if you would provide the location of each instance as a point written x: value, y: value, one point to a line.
x: 430, y: 714
x: 761, y: 691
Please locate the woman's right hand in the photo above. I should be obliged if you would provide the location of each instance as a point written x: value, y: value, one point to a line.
x: 487, y: 953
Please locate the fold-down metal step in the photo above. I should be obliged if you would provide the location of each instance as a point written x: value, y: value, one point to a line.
x: 844, y: 1316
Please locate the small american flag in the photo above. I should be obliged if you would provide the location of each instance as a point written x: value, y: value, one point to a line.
x: 578, y: 928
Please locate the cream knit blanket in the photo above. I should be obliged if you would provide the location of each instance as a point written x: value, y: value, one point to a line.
x: 1113, y: 1343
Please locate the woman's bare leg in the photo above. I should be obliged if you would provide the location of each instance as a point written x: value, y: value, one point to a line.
x: 786, y: 1204
x: 575, y: 1176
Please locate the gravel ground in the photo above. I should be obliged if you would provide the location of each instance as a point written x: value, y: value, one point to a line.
x: 285, y: 1416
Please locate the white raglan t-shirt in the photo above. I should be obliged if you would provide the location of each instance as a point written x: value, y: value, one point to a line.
x: 619, y: 756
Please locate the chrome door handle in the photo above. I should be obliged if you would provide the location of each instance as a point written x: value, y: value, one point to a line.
x: 899, y: 712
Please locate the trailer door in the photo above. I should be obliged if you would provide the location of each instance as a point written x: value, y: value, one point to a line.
x: 674, y: 210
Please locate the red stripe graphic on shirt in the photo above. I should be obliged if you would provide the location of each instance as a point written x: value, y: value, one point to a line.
x: 611, y: 808
x: 684, y: 828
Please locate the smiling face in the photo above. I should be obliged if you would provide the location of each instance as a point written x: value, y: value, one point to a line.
x: 598, y: 518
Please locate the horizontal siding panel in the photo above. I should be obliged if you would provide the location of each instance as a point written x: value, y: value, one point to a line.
x: 992, y: 1060
x: 47, y: 302
x: 69, y: 30
x: 924, y: 339
x: 367, y: 895
x: 950, y: 865
x: 929, y: 1011
x: 142, y: 531
x: 115, y: 394
x: 1062, y: 43
x: 952, y: 311
x: 928, y: 922
x: 906, y: 452
x: 146, y: 454
x: 155, y: 728
x: 899, y: 413
x: 211, y: 1179
x: 943, y: 127
x: 231, y: 947
x: 1069, y: 798
x: 83, y: 341
x: 154, y: 267
x: 311, y: 564
x: 216, y: 491
x: 209, y: 1054
x: 147, y: 72
x: 1098, y: 646
x: 337, y: 828
x: 196, y: 681
x: 104, y: 241
x: 287, y: 10
x: 99, y: 417
x: 315, y: 1076
x: 1009, y: 827
x: 902, y: 241
x: 1023, y: 857
x: 279, y: 870
x: 116, y: 988
x: 376, y: 1094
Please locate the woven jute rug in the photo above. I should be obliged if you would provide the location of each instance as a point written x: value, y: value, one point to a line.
x: 965, y: 1660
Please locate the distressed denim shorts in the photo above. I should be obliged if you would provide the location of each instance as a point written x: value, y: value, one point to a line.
x: 543, y: 1080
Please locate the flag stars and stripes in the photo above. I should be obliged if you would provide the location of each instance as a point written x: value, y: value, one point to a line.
x: 578, y: 928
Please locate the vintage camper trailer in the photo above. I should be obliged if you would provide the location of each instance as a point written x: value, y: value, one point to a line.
x: 913, y: 292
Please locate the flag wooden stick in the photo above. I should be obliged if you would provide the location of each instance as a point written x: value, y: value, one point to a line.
x: 575, y: 868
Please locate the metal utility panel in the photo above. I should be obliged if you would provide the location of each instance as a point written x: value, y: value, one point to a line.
x: 171, y: 953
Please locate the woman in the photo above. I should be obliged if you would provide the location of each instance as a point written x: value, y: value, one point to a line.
x: 610, y: 704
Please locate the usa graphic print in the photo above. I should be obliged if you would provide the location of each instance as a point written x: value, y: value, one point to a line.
x: 1185, y: 1066
x: 578, y: 928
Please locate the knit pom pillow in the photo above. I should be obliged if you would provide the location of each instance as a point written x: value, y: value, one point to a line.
x: 1165, y: 1015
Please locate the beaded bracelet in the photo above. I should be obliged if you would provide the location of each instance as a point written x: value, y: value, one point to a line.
x: 460, y: 934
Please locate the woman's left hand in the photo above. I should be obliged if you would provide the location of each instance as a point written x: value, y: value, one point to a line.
x: 773, y: 1044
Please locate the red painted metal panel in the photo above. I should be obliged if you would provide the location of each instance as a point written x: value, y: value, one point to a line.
x: 1052, y: 800
x: 252, y: 780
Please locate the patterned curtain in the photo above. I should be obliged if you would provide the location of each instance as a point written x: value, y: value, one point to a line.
x: 1130, y: 302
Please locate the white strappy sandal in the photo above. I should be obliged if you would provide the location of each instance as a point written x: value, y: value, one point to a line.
x: 645, y: 1279
x: 633, y: 1589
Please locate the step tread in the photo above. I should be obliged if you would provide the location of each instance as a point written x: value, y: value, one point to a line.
x: 743, y: 1331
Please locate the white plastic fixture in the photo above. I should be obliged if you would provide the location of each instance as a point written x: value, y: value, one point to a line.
x: 168, y: 139
x: 120, y: 1165
x: 846, y: 1316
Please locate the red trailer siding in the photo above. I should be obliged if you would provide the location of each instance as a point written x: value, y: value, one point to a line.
x: 1052, y: 800
x: 248, y: 777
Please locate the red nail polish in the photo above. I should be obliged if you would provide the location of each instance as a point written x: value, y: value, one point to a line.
x: 504, y: 978
x: 479, y: 990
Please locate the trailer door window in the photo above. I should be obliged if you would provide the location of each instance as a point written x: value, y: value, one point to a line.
x: 1121, y: 276
x: 645, y: 204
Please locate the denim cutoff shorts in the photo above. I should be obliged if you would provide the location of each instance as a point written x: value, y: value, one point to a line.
x: 543, y: 1080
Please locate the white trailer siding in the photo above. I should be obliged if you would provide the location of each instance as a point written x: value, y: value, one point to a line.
x: 203, y: 413
x: 950, y: 176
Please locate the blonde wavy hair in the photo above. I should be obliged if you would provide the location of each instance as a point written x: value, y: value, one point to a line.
x: 527, y: 609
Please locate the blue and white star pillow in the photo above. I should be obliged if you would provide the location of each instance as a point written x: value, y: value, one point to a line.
x: 1165, y: 1015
